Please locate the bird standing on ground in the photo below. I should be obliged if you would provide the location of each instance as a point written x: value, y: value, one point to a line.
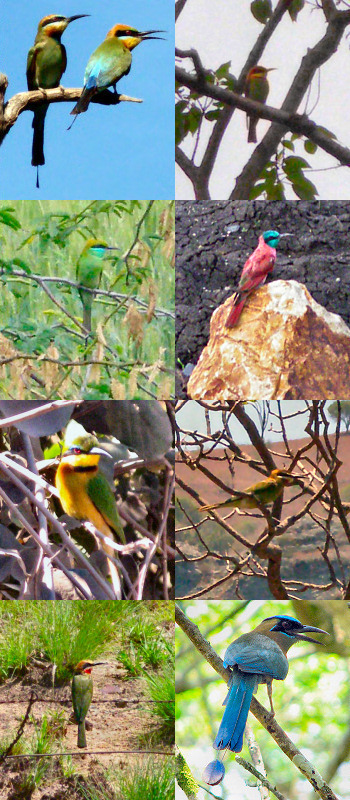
x: 265, y: 491
x: 255, y: 272
x: 256, y: 88
x: 256, y: 657
x: 89, y: 271
x: 110, y: 62
x: 85, y: 492
x: 82, y: 690
x: 46, y: 63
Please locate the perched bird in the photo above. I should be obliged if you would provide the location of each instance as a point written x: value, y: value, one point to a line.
x: 46, y: 63
x: 85, y: 492
x: 255, y: 272
x: 256, y: 88
x: 254, y: 658
x: 265, y: 491
x: 89, y: 271
x: 110, y: 61
x: 82, y: 695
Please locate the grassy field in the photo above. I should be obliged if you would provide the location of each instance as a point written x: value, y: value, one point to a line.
x: 39, y: 645
x: 43, y: 349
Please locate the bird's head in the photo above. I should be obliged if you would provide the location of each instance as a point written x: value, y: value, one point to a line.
x: 287, y: 478
x: 131, y: 37
x: 85, y: 667
x: 287, y: 630
x: 97, y: 248
x: 79, y: 446
x: 55, y: 24
x: 272, y: 237
x: 258, y: 73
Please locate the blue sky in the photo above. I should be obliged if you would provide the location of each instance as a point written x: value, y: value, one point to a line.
x: 120, y: 152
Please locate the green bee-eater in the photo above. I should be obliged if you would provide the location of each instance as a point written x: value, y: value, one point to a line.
x: 256, y: 88
x: 85, y: 492
x: 46, y: 63
x: 89, y: 272
x: 82, y: 695
x: 265, y: 491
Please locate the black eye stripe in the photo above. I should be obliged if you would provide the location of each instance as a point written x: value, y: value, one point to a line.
x: 53, y: 19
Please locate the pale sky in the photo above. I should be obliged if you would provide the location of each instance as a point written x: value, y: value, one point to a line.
x: 224, y: 31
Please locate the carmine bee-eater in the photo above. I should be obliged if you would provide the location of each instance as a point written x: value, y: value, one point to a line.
x: 46, y: 63
x: 265, y: 491
x: 255, y: 272
x: 110, y: 61
x: 82, y: 695
x: 256, y: 88
x: 85, y: 492
x: 89, y: 271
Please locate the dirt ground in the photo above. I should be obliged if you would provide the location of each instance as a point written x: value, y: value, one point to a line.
x: 117, y: 714
x: 214, y: 239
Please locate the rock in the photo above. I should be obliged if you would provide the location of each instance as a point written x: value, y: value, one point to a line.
x: 284, y: 346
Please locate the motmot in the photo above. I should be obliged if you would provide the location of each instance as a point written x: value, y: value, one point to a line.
x: 82, y: 690
x: 255, y: 272
x: 265, y: 491
x: 89, y: 271
x: 84, y: 491
x: 46, y: 63
x: 110, y: 62
x: 253, y: 658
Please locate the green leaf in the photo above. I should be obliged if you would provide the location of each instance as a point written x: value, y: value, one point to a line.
x: 223, y: 70
x: 293, y: 165
x: 294, y: 9
x: 261, y: 10
x: 304, y: 189
x: 310, y: 147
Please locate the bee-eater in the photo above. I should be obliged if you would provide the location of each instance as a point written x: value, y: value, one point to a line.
x: 85, y: 492
x: 110, y: 61
x: 255, y: 272
x: 265, y: 491
x: 82, y: 695
x: 46, y: 63
x: 256, y: 88
x: 89, y: 271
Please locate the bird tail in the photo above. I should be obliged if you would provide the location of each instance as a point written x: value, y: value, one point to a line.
x: 231, y: 502
x: 81, y: 734
x: 87, y: 307
x: 38, y: 124
x: 252, y: 129
x: 237, y: 702
x: 236, y: 311
x: 84, y: 99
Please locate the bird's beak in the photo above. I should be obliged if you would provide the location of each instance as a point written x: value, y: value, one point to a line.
x: 77, y: 16
x: 100, y: 452
x: 310, y: 629
x: 147, y: 35
x: 271, y: 69
x: 112, y: 248
x: 286, y: 234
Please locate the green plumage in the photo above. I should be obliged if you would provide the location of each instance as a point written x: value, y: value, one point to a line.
x: 81, y: 696
x: 103, y: 498
x: 89, y: 272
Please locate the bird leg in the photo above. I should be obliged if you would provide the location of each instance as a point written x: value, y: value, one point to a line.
x: 269, y: 692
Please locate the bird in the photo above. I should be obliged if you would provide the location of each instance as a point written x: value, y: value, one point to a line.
x: 265, y: 491
x: 256, y: 88
x: 254, y: 273
x: 46, y: 63
x: 256, y: 657
x: 84, y: 491
x: 82, y: 691
x: 89, y: 271
x: 110, y: 61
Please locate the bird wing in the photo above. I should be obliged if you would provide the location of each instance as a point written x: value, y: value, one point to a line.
x: 103, y: 499
x: 31, y: 68
x: 107, y: 64
x: 261, y: 655
x: 255, y: 271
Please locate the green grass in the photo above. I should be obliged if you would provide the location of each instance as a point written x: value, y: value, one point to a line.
x: 46, y: 238
x: 152, y: 779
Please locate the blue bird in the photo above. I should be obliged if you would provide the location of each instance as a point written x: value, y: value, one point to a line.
x: 110, y: 61
x: 256, y: 657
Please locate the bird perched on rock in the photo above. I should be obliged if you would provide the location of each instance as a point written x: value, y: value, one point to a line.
x: 265, y: 492
x: 256, y: 657
x: 46, y: 63
x: 110, y: 61
x: 82, y: 691
x: 255, y: 272
x: 256, y: 88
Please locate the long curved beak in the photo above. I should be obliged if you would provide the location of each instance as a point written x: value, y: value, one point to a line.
x: 147, y: 35
x: 77, y: 16
x: 310, y: 629
x: 99, y: 451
